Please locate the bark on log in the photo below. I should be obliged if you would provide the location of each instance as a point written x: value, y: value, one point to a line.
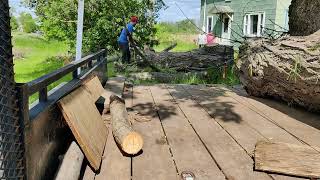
x: 129, y: 141
x: 71, y: 164
x: 170, y: 47
x: 304, y: 17
x: 288, y: 68
x: 214, y: 56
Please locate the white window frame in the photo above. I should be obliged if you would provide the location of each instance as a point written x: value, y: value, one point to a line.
x: 247, y: 25
x: 207, y: 27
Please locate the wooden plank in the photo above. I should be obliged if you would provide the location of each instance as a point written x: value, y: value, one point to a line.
x: 155, y: 162
x: 292, y: 120
x: 297, y: 160
x: 230, y: 116
x: 244, y: 115
x: 114, y: 164
x: 187, y: 149
x: 224, y: 114
x: 94, y: 87
x: 231, y: 157
x: 86, y: 124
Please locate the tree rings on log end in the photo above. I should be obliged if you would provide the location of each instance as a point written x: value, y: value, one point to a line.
x: 132, y: 143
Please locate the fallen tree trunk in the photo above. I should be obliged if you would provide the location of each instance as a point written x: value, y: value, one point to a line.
x: 170, y: 47
x: 129, y: 141
x: 214, y: 56
x: 288, y: 68
x: 304, y: 17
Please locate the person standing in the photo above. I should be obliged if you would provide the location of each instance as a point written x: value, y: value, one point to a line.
x: 202, y: 40
x: 125, y: 38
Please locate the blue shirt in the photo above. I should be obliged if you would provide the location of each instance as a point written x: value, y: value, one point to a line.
x: 124, y: 36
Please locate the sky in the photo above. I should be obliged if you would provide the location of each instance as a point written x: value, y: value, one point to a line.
x: 190, y: 7
x: 18, y: 8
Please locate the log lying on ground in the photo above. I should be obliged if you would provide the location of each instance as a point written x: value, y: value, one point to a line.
x: 214, y: 56
x: 304, y: 17
x: 129, y: 141
x: 170, y: 47
x: 288, y: 68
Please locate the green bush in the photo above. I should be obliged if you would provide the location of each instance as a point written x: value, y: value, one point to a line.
x: 14, y: 23
x: 28, y: 23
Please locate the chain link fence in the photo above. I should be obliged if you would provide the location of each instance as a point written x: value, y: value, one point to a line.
x: 11, y: 136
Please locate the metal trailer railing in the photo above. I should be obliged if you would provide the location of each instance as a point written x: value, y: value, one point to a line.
x: 92, y: 64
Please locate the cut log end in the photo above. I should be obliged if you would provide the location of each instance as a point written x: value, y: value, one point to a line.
x: 132, y: 143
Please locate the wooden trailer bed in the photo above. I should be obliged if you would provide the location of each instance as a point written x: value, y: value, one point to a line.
x: 210, y: 131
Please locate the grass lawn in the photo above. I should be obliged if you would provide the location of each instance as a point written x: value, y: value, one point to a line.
x: 34, y: 57
x: 185, y: 41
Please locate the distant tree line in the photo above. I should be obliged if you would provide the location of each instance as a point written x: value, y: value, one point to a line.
x: 184, y: 26
x: 24, y: 22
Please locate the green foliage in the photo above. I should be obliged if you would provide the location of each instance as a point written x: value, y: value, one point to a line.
x: 28, y: 23
x: 294, y: 73
x: 14, y: 23
x: 103, y: 21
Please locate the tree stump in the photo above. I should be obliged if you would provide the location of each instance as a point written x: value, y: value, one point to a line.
x: 129, y: 141
x: 287, y: 68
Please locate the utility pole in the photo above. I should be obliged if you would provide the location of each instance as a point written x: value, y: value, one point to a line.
x: 79, y: 32
x: 204, y: 16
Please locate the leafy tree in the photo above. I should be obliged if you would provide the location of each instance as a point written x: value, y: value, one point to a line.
x: 103, y: 20
x: 28, y: 23
x: 14, y: 23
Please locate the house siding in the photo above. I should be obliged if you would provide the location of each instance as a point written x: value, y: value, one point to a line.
x: 281, y: 19
x: 241, y: 8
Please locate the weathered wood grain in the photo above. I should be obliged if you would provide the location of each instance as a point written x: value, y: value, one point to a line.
x: 187, y: 149
x: 297, y: 160
x: 231, y: 157
x: 86, y: 124
x: 155, y: 162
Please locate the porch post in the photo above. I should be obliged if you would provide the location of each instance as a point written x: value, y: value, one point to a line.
x: 204, y: 16
x: 79, y: 32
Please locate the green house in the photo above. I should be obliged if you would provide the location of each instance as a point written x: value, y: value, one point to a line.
x: 231, y: 21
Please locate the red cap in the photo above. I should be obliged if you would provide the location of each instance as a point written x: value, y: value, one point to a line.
x: 134, y: 19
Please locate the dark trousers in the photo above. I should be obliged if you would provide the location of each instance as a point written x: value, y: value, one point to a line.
x: 126, y: 55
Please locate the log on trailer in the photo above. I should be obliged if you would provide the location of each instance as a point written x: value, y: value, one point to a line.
x: 129, y: 141
x: 71, y: 164
x: 287, y: 68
